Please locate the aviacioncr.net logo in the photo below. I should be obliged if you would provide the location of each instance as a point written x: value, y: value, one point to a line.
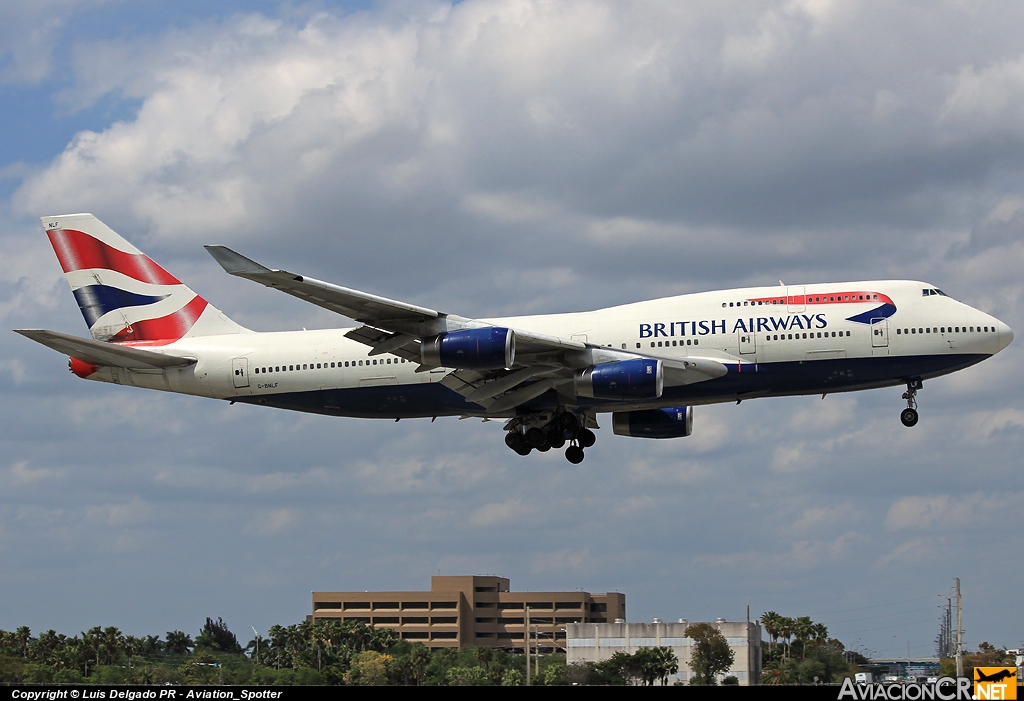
x: 945, y: 689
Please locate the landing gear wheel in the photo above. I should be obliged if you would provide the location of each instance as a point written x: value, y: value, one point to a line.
x: 568, y: 422
x: 556, y: 438
x: 586, y: 438
x: 574, y: 454
x: 908, y: 417
x: 515, y: 440
x: 524, y: 450
x: 536, y: 437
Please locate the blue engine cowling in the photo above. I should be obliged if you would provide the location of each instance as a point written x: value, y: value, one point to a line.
x: 623, y: 379
x: 471, y: 349
x: 654, y: 423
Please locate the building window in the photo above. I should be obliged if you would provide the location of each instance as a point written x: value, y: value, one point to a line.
x: 357, y: 605
x: 443, y: 605
x: 452, y: 635
x: 415, y: 605
x: 435, y: 620
x: 328, y: 604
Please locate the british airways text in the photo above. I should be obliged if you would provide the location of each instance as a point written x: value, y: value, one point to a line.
x: 705, y: 327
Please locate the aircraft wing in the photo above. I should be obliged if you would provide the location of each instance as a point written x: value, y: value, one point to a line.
x: 102, y: 353
x: 542, y: 361
x: 404, y: 323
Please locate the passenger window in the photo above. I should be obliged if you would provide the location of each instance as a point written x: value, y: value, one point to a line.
x: 638, y: 345
x: 696, y: 341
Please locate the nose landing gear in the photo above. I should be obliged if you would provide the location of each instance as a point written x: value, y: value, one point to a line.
x: 909, y: 415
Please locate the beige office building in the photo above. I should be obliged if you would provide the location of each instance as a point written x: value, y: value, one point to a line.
x: 472, y: 610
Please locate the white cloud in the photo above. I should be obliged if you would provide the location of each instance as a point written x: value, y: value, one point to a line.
x: 943, y: 512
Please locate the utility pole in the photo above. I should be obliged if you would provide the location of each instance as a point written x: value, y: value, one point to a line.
x: 257, y: 657
x: 959, y: 631
x: 527, y: 640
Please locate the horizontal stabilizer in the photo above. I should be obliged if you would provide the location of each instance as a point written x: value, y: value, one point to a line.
x: 101, y: 353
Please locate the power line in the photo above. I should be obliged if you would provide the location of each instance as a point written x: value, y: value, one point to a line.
x: 874, y: 606
x: 896, y: 625
x: 886, y: 615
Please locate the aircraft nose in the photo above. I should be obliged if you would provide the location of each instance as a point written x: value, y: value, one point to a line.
x: 1005, y: 335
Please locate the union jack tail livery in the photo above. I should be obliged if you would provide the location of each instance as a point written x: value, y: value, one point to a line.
x: 124, y: 296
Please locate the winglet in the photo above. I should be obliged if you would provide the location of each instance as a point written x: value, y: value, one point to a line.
x: 235, y: 263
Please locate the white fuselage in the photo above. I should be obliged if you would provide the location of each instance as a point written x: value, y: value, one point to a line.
x: 794, y: 340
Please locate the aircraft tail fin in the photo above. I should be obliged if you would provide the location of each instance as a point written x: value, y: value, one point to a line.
x: 124, y: 296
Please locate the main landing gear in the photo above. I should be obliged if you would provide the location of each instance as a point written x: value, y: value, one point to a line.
x: 909, y: 415
x: 544, y: 432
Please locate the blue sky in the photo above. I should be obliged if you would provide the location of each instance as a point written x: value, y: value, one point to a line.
x: 504, y: 157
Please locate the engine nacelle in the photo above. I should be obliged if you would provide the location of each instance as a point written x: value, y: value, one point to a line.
x: 623, y: 379
x: 676, y: 422
x: 471, y: 349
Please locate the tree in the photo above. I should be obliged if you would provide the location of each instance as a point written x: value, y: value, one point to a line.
x: 803, y: 630
x: 369, y: 668
x: 216, y: 636
x: 711, y: 655
x: 178, y: 643
x: 771, y: 620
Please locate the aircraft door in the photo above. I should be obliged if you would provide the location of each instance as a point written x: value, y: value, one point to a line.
x: 240, y: 372
x: 748, y: 344
x: 880, y: 335
x: 795, y: 298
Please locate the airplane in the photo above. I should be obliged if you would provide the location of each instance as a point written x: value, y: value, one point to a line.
x: 547, y: 376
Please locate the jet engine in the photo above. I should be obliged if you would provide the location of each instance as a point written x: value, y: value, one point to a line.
x: 676, y: 422
x: 471, y: 349
x: 623, y: 379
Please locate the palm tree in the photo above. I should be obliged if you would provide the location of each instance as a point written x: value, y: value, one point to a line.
x: 112, y: 643
x: 93, y: 639
x: 803, y: 629
x: 770, y: 620
x: 178, y: 642
x: 786, y: 632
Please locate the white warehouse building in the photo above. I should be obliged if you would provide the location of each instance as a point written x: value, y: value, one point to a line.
x: 596, y: 642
